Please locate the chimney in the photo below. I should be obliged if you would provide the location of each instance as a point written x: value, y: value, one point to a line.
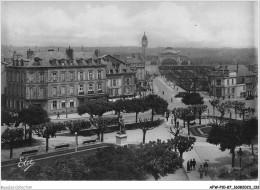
x: 97, y: 52
x: 30, y: 54
x: 70, y: 53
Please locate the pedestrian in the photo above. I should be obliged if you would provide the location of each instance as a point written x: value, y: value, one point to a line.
x: 172, y: 120
x: 194, y: 163
x: 58, y: 115
x: 191, y: 164
x: 188, y: 166
x: 206, y: 166
x: 201, y: 170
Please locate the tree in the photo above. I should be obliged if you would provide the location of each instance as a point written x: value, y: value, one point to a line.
x: 33, y: 115
x: 146, y: 125
x: 176, y: 131
x: 199, y: 109
x: 237, y: 106
x: 10, y: 135
x: 250, y: 132
x: 184, y: 144
x: 156, y: 103
x: 157, y: 159
x: 101, y: 124
x: 192, y: 99
x: 95, y: 107
x: 227, y: 136
x: 136, y: 105
x: 188, y: 116
x: 223, y: 107
x: 47, y: 130
x: 214, y: 103
x: 7, y: 118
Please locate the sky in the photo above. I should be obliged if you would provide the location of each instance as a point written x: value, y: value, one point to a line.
x: 100, y: 24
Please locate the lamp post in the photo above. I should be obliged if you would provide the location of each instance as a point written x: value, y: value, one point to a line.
x: 76, y: 139
x: 206, y: 114
x: 240, y: 154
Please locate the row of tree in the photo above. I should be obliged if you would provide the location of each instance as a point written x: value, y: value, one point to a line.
x: 224, y: 107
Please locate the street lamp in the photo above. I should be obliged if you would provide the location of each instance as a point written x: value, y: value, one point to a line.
x: 206, y: 114
x: 76, y: 139
x: 240, y: 154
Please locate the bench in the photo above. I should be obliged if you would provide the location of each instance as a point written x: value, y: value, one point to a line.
x: 30, y: 152
x: 89, y: 141
x: 62, y: 146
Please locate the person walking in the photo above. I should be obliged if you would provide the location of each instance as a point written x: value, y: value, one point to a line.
x: 191, y: 164
x: 206, y: 166
x: 201, y: 170
x: 194, y: 163
x: 188, y: 166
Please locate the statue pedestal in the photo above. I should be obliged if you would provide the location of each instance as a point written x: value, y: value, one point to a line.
x: 121, y: 139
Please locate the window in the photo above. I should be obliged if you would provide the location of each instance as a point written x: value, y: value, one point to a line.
x: 114, y: 82
x: 232, y: 81
x: 90, y: 87
x: 81, y: 76
x: 54, y: 104
x: 63, y: 90
x: 228, y: 90
x: 63, y: 104
x: 71, y: 103
x: 71, y: 76
x: 218, y: 82
x: 81, y: 87
x: 41, y: 77
x: 41, y: 92
x: 99, y: 86
x: 54, y: 91
x: 127, y: 81
x: 233, y: 90
x: 227, y: 82
x: 30, y: 77
x: 116, y: 92
x: 99, y: 74
x: 30, y: 92
x: 90, y: 75
x: 54, y: 77
x: 71, y: 90
x: 62, y: 76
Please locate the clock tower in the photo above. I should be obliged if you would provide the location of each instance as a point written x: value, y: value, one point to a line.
x: 144, y: 45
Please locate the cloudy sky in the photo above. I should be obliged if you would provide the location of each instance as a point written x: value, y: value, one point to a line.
x: 177, y: 24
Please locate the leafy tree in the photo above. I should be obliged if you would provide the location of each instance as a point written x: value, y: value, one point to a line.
x: 47, y: 130
x: 192, y: 99
x: 188, y: 116
x: 198, y: 110
x: 95, y: 107
x: 7, y: 118
x: 238, y: 107
x: 250, y: 132
x: 214, y: 103
x: 33, y: 115
x: 77, y: 125
x: 156, y: 103
x: 10, y: 135
x: 157, y: 159
x: 136, y: 105
x: 184, y: 144
x: 227, y: 136
x: 101, y: 124
x: 146, y: 125
x: 223, y: 107
x: 176, y: 131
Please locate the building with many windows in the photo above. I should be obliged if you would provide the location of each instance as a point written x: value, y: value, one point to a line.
x: 233, y: 81
x: 120, y: 79
x: 57, y: 81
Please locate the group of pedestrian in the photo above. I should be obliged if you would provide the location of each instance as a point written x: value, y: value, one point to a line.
x: 203, y: 169
x: 191, y: 164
